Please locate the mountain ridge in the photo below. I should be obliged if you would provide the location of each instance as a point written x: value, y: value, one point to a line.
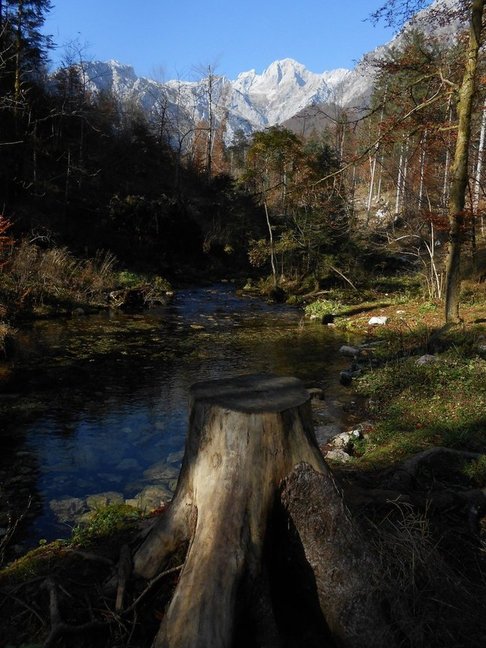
x: 253, y: 101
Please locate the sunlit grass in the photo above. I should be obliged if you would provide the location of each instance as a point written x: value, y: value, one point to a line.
x: 419, y: 406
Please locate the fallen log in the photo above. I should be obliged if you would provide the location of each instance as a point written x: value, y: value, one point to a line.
x: 246, y: 435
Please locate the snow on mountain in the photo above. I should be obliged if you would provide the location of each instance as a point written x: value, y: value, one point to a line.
x: 286, y: 87
x: 251, y: 102
x: 256, y: 101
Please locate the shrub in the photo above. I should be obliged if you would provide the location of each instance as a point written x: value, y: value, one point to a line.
x: 322, y: 307
x: 37, y: 276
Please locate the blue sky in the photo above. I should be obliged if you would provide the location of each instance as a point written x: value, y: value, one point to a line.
x: 168, y: 39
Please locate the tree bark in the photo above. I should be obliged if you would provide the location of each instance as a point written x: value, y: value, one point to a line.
x: 246, y: 435
x: 346, y: 572
x: 272, y: 247
x: 457, y: 197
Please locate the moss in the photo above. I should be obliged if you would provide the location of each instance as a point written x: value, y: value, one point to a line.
x: 106, y: 521
x: 37, y: 562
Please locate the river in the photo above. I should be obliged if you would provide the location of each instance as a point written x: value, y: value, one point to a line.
x: 94, y: 409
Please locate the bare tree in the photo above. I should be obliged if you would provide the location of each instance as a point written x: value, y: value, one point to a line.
x: 460, y: 164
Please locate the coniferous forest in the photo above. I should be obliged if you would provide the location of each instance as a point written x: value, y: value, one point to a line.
x: 347, y: 247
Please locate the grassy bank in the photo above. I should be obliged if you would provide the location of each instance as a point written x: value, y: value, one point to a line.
x: 38, y: 282
x: 420, y: 397
x: 423, y: 387
x: 415, y: 402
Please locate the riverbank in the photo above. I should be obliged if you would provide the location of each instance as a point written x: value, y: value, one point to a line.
x: 422, y: 515
x: 51, y: 283
x: 414, y: 475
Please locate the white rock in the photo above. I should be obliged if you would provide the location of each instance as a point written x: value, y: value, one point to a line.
x: 338, y: 455
x: 378, y: 320
x: 343, y: 439
x: 426, y: 359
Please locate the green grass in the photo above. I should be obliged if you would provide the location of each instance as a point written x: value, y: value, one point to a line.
x: 322, y: 307
x: 476, y: 471
x: 419, y: 406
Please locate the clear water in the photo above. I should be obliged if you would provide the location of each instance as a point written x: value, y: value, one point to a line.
x: 99, y: 403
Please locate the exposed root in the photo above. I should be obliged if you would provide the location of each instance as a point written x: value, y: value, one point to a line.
x: 58, y: 626
x: 149, y: 588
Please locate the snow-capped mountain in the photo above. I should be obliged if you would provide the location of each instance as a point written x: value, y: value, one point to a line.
x: 253, y: 101
x: 286, y: 87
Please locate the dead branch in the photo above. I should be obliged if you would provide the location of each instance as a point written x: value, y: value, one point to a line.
x: 58, y: 626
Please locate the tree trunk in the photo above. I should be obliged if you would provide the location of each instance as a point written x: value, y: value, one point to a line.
x: 479, y: 169
x: 423, y: 145
x: 447, y: 163
x: 272, y: 247
x: 346, y: 572
x: 460, y: 166
x: 246, y: 435
x: 18, y: 62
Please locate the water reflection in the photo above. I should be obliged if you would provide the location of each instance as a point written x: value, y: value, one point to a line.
x: 102, y: 401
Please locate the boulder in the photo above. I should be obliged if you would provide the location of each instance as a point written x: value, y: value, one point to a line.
x: 161, y: 470
x: 338, y: 455
x: 175, y: 457
x: 129, y: 463
x: 67, y: 509
x: 349, y: 351
x: 427, y: 359
x: 150, y: 498
x: 100, y: 500
x: 345, y: 439
x: 346, y: 376
x: 325, y: 432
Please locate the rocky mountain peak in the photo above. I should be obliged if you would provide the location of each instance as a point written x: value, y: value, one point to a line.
x: 256, y: 101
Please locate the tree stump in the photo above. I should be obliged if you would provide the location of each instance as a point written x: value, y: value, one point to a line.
x: 246, y: 435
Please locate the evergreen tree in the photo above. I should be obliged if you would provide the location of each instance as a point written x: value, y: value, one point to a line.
x: 23, y: 45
